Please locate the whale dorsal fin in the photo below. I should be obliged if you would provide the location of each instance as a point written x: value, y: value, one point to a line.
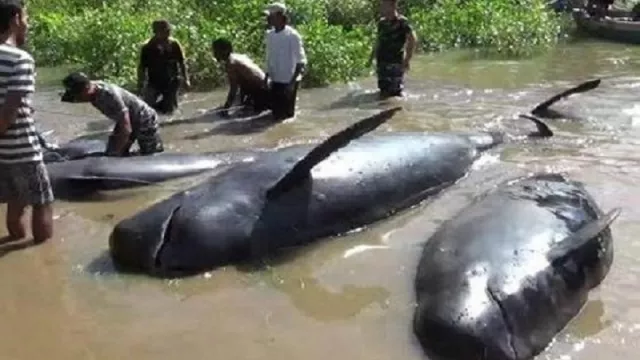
x: 302, y: 168
x: 572, y: 245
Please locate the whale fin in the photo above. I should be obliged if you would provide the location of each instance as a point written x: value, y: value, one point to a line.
x: 583, y: 87
x: 543, y: 129
x: 573, y: 244
x: 302, y: 168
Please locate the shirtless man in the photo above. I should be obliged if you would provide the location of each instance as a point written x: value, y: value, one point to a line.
x: 243, y: 75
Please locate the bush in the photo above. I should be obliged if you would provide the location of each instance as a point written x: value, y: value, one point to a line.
x: 104, y: 37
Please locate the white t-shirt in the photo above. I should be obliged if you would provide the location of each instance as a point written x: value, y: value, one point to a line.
x: 284, y: 51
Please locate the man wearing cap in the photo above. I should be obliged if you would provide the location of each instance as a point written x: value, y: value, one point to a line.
x: 135, y: 119
x: 286, y: 61
x: 162, y: 64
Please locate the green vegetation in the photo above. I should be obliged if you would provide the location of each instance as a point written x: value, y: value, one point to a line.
x: 104, y: 36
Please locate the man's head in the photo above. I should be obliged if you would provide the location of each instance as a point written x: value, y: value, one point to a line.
x: 77, y: 88
x: 276, y: 15
x: 222, y: 48
x: 161, y: 29
x: 13, y: 20
x: 388, y: 8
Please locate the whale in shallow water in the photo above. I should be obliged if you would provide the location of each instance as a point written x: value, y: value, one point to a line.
x: 295, y: 195
x: 79, y: 167
x: 502, y: 277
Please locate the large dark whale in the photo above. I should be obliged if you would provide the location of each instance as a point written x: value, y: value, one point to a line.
x: 295, y: 195
x: 502, y: 277
x: 79, y: 167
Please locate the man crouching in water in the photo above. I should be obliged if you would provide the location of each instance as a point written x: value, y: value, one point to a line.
x: 243, y: 75
x: 135, y: 119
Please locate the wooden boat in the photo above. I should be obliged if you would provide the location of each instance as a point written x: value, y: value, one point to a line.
x: 617, y: 26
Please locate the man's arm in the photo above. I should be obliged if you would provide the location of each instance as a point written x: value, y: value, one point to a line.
x: 122, y: 131
x: 300, y: 57
x: 410, y: 46
x: 233, y: 89
x: 374, y: 50
x: 183, y: 64
x: 20, y: 84
x: 374, y: 47
x: 267, y: 59
x: 142, y: 69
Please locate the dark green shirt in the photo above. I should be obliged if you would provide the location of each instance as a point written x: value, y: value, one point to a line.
x: 392, y: 36
x: 162, y: 61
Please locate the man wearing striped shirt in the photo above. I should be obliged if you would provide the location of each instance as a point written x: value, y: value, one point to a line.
x: 24, y: 180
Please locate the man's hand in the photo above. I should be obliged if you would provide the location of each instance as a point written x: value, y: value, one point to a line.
x: 140, y: 89
x: 187, y: 84
x: 266, y: 81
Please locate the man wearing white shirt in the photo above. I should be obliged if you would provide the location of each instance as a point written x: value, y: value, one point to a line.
x: 286, y: 61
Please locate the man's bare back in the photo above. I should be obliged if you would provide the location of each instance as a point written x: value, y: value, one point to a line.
x: 247, y: 73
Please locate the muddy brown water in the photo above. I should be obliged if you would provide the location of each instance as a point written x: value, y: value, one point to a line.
x: 350, y: 297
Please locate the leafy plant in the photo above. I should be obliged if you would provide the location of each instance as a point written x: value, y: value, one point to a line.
x: 104, y: 37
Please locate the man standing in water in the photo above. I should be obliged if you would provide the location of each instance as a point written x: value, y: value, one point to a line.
x: 162, y: 64
x: 135, y: 119
x: 394, y: 47
x: 243, y: 75
x: 24, y: 180
x: 286, y: 62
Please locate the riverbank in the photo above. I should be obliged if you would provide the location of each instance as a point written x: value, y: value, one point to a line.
x: 105, y: 37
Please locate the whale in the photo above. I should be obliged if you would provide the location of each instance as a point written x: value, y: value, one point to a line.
x: 501, y: 278
x: 72, y: 150
x: 80, y: 167
x: 296, y: 195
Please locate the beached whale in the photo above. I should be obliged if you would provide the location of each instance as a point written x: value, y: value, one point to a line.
x: 295, y: 195
x: 74, y: 149
x: 79, y: 167
x: 502, y: 277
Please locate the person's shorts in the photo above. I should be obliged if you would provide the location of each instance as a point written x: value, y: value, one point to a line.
x: 25, y: 183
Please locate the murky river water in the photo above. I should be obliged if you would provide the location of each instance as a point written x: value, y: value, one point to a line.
x: 63, y: 301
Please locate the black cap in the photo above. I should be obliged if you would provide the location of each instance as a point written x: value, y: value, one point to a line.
x: 74, y: 83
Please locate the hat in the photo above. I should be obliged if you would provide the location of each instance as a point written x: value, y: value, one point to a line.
x: 275, y: 8
x: 74, y: 83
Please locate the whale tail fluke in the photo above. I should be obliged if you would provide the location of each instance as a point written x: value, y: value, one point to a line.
x: 543, y: 108
x: 543, y: 129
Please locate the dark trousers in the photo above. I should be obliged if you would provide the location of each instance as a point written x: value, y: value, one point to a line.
x: 258, y: 99
x: 390, y: 79
x: 168, y: 93
x: 283, y: 100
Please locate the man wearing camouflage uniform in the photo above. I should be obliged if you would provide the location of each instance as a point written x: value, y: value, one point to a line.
x: 394, y: 36
x: 135, y: 119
